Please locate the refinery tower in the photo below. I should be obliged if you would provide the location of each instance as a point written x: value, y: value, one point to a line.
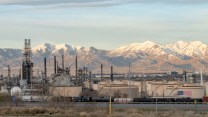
x: 27, y: 65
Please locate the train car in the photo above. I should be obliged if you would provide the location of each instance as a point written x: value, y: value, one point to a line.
x: 123, y: 100
x: 165, y: 100
x: 144, y: 100
x: 186, y: 100
x: 102, y: 99
x: 80, y: 99
x: 106, y: 99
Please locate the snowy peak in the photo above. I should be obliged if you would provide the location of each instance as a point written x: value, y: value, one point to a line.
x: 146, y: 47
x: 148, y: 43
x: 50, y: 48
x: 64, y: 47
x: 43, y: 48
x: 179, y: 49
x: 197, y: 44
x: 179, y: 45
x: 195, y: 48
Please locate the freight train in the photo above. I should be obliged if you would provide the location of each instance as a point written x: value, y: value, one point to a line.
x: 137, y: 100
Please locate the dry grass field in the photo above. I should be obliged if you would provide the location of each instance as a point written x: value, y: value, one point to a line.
x: 92, y: 112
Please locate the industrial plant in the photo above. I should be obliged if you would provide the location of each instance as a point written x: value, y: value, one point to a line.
x: 85, y: 86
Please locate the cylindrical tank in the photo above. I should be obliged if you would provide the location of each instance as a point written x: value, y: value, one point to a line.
x: 206, y: 88
x: 16, y: 91
x: 23, y: 82
x: 119, y: 90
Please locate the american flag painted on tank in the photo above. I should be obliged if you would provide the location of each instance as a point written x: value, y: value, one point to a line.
x: 187, y: 93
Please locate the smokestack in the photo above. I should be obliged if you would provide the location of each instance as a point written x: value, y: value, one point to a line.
x: 21, y: 73
x: 57, y: 66
x: 184, y: 73
x: 90, y: 75
x: 101, y: 74
x: 45, y: 68
x: 76, y: 70
x: 62, y: 61
x: 69, y: 70
x: 90, y: 78
x: 54, y: 64
x: 111, y: 73
x: 9, y: 72
x: 201, y: 78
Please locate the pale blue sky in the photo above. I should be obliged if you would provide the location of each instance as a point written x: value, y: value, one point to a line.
x: 104, y: 24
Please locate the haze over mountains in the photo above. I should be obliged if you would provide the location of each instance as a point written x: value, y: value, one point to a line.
x: 143, y: 56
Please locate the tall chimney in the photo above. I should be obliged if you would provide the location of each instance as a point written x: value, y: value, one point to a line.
x: 101, y: 74
x: 62, y: 61
x: 76, y: 70
x: 57, y: 66
x: 185, y: 76
x: 45, y: 68
x: 54, y: 64
x: 9, y: 72
x: 202, y: 83
x: 90, y: 75
x: 111, y: 73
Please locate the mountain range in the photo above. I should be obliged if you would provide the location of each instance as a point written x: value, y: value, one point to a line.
x: 147, y: 56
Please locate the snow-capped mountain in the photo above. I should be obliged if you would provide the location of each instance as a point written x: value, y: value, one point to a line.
x: 138, y: 50
x: 180, y: 48
x: 45, y: 47
x: 179, y: 55
x: 192, y: 49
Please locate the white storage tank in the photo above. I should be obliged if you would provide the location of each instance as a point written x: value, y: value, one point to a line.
x: 119, y: 90
x: 206, y: 88
x: 72, y: 91
x: 16, y: 91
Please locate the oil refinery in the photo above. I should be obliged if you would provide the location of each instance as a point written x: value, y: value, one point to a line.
x: 84, y: 86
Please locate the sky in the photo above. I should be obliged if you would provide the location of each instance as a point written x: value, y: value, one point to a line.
x: 104, y: 24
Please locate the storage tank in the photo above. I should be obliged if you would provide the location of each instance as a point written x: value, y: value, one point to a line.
x: 119, y: 90
x: 16, y: 91
x: 206, y: 88
x: 72, y: 91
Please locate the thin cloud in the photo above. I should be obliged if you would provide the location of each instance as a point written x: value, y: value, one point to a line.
x: 95, y: 2
x: 52, y: 2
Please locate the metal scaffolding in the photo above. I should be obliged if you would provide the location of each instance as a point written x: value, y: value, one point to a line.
x: 27, y: 64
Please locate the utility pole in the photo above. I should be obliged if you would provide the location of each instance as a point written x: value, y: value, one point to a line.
x: 129, y: 79
x: 111, y: 73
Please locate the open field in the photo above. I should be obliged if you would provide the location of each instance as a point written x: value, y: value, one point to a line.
x: 95, y: 112
x: 98, y: 109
